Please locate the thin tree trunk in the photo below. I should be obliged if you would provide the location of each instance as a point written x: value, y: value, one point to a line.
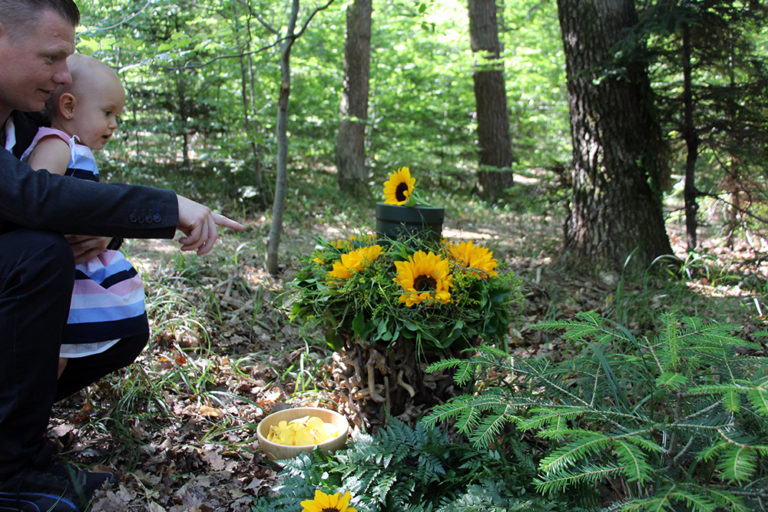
x: 183, y: 129
x: 281, y: 183
x: 350, y: 145
x: 733, y: 178
x: 692, y: 146
x: 495, y: 155
x: 616, y: 206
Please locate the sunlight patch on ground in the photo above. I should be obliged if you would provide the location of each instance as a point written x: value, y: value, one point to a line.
x: 464, y: 234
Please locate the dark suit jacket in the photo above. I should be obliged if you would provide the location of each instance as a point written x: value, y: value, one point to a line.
x: 40, y: 200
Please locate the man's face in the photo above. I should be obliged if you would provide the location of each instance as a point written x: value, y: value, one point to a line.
x: 34, y: 63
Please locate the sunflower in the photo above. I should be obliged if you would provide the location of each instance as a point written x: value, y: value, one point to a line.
x: 424, y: 277
x: 328, y: 503
x: 475, y: 260
x: 354, y: 261
x: 399, y: 186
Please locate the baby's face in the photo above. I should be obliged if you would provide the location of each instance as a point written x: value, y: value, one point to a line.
x: 96, y: 113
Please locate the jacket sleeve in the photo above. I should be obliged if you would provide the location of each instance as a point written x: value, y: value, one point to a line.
x: 40, y: 200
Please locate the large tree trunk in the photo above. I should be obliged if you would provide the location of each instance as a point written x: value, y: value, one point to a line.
x: 495, y: 156
x: 350, y: 146
x: 616, y: 208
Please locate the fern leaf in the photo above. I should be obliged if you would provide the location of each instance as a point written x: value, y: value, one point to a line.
x: 382, y: 486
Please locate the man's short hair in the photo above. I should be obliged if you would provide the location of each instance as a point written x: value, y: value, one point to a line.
x: 16, y: 16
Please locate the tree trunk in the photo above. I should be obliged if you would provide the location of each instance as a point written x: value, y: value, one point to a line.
x: 616, y: 208
x: 350, y: 145
x: 495, y: 155
x: 182, y: 124
x: 281, y: 182
x: 691, y: 145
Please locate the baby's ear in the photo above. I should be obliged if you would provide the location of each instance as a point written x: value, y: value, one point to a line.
x: 67, y: 104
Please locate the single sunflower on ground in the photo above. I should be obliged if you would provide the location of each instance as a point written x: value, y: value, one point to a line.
x: 399, y: 186
x: 354, y: 261
x: 328, y: 503
x: 424, y: 277
x: 475, y: 260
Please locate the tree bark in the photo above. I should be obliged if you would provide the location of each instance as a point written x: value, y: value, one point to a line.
x: 495, y: 154
x: 350, y: 145
x: 691, y: 145
x: 616, y: 209
x: 281, y: 182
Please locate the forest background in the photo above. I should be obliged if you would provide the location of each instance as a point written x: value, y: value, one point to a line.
x: 203, y: 81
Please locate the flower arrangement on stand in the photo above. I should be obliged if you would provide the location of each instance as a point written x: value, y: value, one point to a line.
x: 389, y: 305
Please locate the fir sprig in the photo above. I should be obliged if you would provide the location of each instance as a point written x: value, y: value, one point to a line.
x: 674, y: 420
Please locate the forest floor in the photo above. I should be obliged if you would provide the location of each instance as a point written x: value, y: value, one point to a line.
x: 178, y: 426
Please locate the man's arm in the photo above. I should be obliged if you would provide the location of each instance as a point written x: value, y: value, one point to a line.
x: 40, y: 200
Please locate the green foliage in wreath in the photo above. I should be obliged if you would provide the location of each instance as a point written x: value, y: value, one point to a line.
x: 437, y: 294
x: 673, y: 421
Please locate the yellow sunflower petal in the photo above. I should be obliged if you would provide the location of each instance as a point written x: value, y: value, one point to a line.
x: 476, y: 260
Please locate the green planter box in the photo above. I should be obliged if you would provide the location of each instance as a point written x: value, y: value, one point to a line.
x: 404, y: 222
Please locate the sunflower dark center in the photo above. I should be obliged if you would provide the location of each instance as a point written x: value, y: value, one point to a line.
x: 330, y: 509
x: 401, y: 191
x: 424, y: 283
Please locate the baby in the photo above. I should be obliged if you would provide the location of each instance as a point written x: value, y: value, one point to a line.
x: 108, y: 296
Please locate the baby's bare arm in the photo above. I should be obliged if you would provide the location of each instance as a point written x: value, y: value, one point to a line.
x: 51, y: 154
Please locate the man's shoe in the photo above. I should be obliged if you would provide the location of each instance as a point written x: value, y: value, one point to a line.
x: 60, y: 487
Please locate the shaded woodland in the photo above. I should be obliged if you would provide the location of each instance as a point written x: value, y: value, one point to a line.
x: 612, y: 154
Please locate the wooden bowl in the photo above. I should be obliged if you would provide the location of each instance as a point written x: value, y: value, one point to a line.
x: 277, y: 451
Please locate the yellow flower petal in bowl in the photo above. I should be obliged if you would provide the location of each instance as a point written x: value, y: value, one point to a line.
x: 286, y: 433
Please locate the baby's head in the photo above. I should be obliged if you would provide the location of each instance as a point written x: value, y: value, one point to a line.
x: 88, y: 107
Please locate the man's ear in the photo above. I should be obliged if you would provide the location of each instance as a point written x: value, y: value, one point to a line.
x: 67, y: 104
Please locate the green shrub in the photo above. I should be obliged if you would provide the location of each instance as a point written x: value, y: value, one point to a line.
x: 676, y: 421
x: 416, y: 469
